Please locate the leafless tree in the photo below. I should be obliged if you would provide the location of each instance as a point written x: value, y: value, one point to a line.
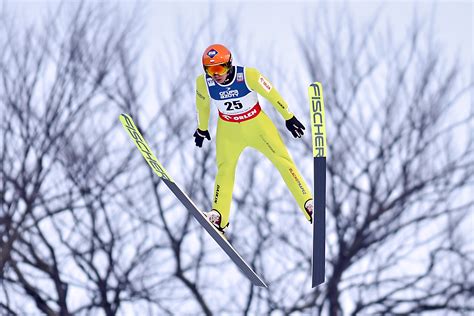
x: 400, y: 168
x: 65, y: 183
x: 87, y: 228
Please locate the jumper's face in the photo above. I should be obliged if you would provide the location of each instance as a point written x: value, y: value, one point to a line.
x: 220, y: 78
x: 219, y: 72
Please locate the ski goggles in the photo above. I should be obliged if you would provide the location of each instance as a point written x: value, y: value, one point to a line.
x: 217, y: 69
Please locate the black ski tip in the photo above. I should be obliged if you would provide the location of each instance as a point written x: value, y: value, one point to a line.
x: 260, y: 283
x: 317, y: 282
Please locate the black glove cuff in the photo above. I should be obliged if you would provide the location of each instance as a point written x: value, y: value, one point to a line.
x: 201, y: 133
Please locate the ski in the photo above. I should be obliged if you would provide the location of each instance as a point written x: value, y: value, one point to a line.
x: 318, y: 132
x: 159, y: 170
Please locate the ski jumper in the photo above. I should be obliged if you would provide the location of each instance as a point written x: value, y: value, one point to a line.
x: 243, y: 123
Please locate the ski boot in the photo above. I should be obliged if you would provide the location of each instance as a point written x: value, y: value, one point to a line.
x: 214, y: 217
x: 308, y: 206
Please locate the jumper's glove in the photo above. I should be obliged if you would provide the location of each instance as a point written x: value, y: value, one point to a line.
x: 199, y: 137
x: 295, y: 127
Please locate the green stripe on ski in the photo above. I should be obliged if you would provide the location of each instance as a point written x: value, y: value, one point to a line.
x: 144, y: 148
x: 318, y: 126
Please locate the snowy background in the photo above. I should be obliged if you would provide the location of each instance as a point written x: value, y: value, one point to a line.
x: 87, y: 229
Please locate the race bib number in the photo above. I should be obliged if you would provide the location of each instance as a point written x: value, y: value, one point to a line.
x: 234, y: 105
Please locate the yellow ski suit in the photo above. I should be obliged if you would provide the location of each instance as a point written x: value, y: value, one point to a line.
x: 243, y: 123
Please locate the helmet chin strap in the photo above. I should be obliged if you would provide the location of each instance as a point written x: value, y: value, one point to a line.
x: 230, y: 75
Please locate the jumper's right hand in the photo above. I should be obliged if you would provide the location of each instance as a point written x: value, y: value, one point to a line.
x: 199, y: 137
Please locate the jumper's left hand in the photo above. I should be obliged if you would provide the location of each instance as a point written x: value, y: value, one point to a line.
x: 295, y: 127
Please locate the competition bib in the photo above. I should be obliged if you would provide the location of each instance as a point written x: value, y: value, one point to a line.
x: 235, y: 101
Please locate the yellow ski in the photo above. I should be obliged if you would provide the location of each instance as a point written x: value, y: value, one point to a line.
x: 153, y: 162
x: 142, y: 145
x: 318, y: 133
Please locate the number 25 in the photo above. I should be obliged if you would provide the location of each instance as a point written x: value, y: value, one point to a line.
x: 234, y: 105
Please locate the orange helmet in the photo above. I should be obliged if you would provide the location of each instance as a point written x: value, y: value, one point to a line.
x: 217, y: 59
